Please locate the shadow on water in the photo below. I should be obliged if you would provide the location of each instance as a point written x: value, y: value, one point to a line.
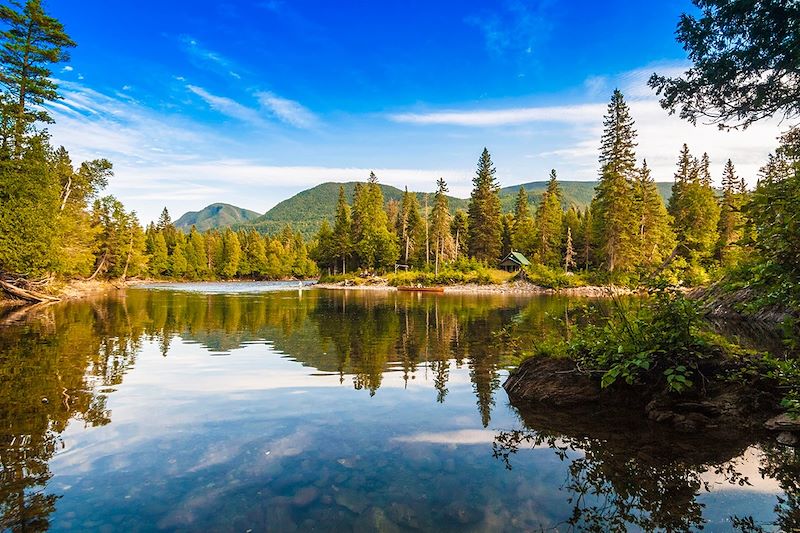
x: 60, y: 364
x: 625, y: 472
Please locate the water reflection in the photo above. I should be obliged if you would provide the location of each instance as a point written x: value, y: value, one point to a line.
x: 648, y: 478
x: 306, y: 409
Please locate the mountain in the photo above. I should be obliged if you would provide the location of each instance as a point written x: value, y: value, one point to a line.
x: 215, y: 216
x: 306, y: 210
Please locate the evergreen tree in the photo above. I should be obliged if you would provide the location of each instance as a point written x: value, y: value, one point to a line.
x: 730, y: 218
x: 695, y: 211
x: 587, y: 238
x: 324, y: 253
x: 231, y: 254
x: 459, y: 229
x: 612, y: 207
x: 655, y: 238
x: 523, y: 236
x: 178, y: 263
x: 32, y: 42
x: 441, y: 239
x: 197, y: 242
x: 485, y: 225
x: 375, y: 246
x: 506, y: 234
x: 549, y: 224
x: 157, y: 252
x: 410, y: 226
x: 342, y: 231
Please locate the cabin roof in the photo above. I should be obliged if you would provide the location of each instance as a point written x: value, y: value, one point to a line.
x: 517, y: 258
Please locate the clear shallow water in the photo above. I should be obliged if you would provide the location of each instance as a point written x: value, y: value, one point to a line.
x: 327, y: 410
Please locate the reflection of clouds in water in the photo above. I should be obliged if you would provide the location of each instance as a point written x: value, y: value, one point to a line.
x: 461, y: 436
x: 747, y: 465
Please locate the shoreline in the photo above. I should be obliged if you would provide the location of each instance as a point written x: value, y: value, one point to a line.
x: 519, y: 288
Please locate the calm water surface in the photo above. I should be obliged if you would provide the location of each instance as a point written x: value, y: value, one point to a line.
x: 236, y: 407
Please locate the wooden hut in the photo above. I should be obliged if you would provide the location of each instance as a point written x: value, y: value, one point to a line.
x: 513, y: 262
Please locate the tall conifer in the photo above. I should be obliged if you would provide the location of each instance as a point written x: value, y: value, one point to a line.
x: 485, y: 224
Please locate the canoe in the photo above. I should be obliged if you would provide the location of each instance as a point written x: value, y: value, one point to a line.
x: 421, y: 289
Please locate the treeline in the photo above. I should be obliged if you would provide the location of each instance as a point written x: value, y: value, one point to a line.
x: 625, y: 234
x: 225, y: 254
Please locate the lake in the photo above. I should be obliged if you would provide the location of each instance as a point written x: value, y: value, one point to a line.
x: 273, y: 407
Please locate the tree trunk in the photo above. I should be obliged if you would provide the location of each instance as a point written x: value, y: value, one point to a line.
x: 26, y: 295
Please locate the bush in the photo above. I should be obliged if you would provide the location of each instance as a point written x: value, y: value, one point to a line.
x: 552, y: 278
x: 458, y: 272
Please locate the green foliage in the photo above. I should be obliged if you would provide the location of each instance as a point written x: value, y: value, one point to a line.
x: 552, y: 278
x: 549, y: 224
x: 663, y: 343
x: 484, y: 212
x: 745, y: 63
x: 460, y: 272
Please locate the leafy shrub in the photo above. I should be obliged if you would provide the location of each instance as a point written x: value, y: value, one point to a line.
x: 456, y: 273
x: 552, y: 278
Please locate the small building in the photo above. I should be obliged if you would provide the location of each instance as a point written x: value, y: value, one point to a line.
x: 513, y: 262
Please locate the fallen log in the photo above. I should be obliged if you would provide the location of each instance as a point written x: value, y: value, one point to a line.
x: 27, y: 295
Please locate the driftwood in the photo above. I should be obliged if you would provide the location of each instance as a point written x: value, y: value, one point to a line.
x: 27, y: 295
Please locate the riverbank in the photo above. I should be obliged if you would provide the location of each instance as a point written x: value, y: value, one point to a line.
x: 515, y: 287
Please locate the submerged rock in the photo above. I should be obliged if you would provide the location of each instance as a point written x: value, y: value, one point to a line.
x: 374, y: 519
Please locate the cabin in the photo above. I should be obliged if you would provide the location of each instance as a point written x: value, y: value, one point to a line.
x: 513, y: 262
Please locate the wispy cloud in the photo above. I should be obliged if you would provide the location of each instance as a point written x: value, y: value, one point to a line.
x: 208, y: 58
x: 502, y: 117
x: 513, y: 27
x: 228, y: 106
x: 288, y: 111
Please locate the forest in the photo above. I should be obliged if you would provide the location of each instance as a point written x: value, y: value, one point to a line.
x: 55, y: 223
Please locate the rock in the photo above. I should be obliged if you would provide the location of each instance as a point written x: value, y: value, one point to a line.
x: 462, y: 513
x: 374, y: 519
x: 403, y: 515
x: 783, y: 422
x: 305, y: 496
x: 788, y: 439
x: 350, y: 500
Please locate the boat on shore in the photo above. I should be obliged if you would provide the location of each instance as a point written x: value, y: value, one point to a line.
x: 421, y: 289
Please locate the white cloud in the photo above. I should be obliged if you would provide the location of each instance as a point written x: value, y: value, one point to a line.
x: 228, y: 106
x: 288, y: 111
x: 503, y: 117
x: 208, y: 58
x: 67, y: 69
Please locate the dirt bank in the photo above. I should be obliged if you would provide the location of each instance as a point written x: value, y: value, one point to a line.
x: 715, y: 406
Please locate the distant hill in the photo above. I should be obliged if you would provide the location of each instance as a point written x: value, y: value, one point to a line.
x: 215, y: 216
x: 306, y: 210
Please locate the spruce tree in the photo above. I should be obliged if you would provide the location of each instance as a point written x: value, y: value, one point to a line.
x: 375, y: 246
x: 730, y: 218
x: 342, y: 232
x: 695, y: 211
x: 410, y: 227
x: 523, y: 236
x: 459, y: 229
x: 549, y: 223
x: 569, y: 252
x: 483, y: 215
x: 612, y: 207
x: 655, y: 238
x: 30, y: 45
x: 441, y: 239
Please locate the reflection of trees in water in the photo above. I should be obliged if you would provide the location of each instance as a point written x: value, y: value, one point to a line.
x: 58, y: 364
x: 645, y: 477
x: 50, y: 371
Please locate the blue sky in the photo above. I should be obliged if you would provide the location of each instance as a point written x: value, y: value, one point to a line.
x: 250, y: 102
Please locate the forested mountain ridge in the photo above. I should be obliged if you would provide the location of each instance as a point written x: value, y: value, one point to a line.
x: 215, y: 216
x: 306, y: 210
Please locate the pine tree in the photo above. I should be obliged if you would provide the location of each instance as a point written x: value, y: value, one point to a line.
x: 342, y: 231
x: 442, y: 241
x: 459, y: 229
x: 375, y: 246
x: 231, y: 254
x: 618, y: 143
x: 695, y: 211
x: 178, y: 262
x: 485, y: 225
x: 157, y: 251
x: 655, y: 238
x: 730, y: 218
x: 32, y: 42
x: 523, y: 236
x: 549, y: 224
x: 612, y: 207
x: 409, y: 226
